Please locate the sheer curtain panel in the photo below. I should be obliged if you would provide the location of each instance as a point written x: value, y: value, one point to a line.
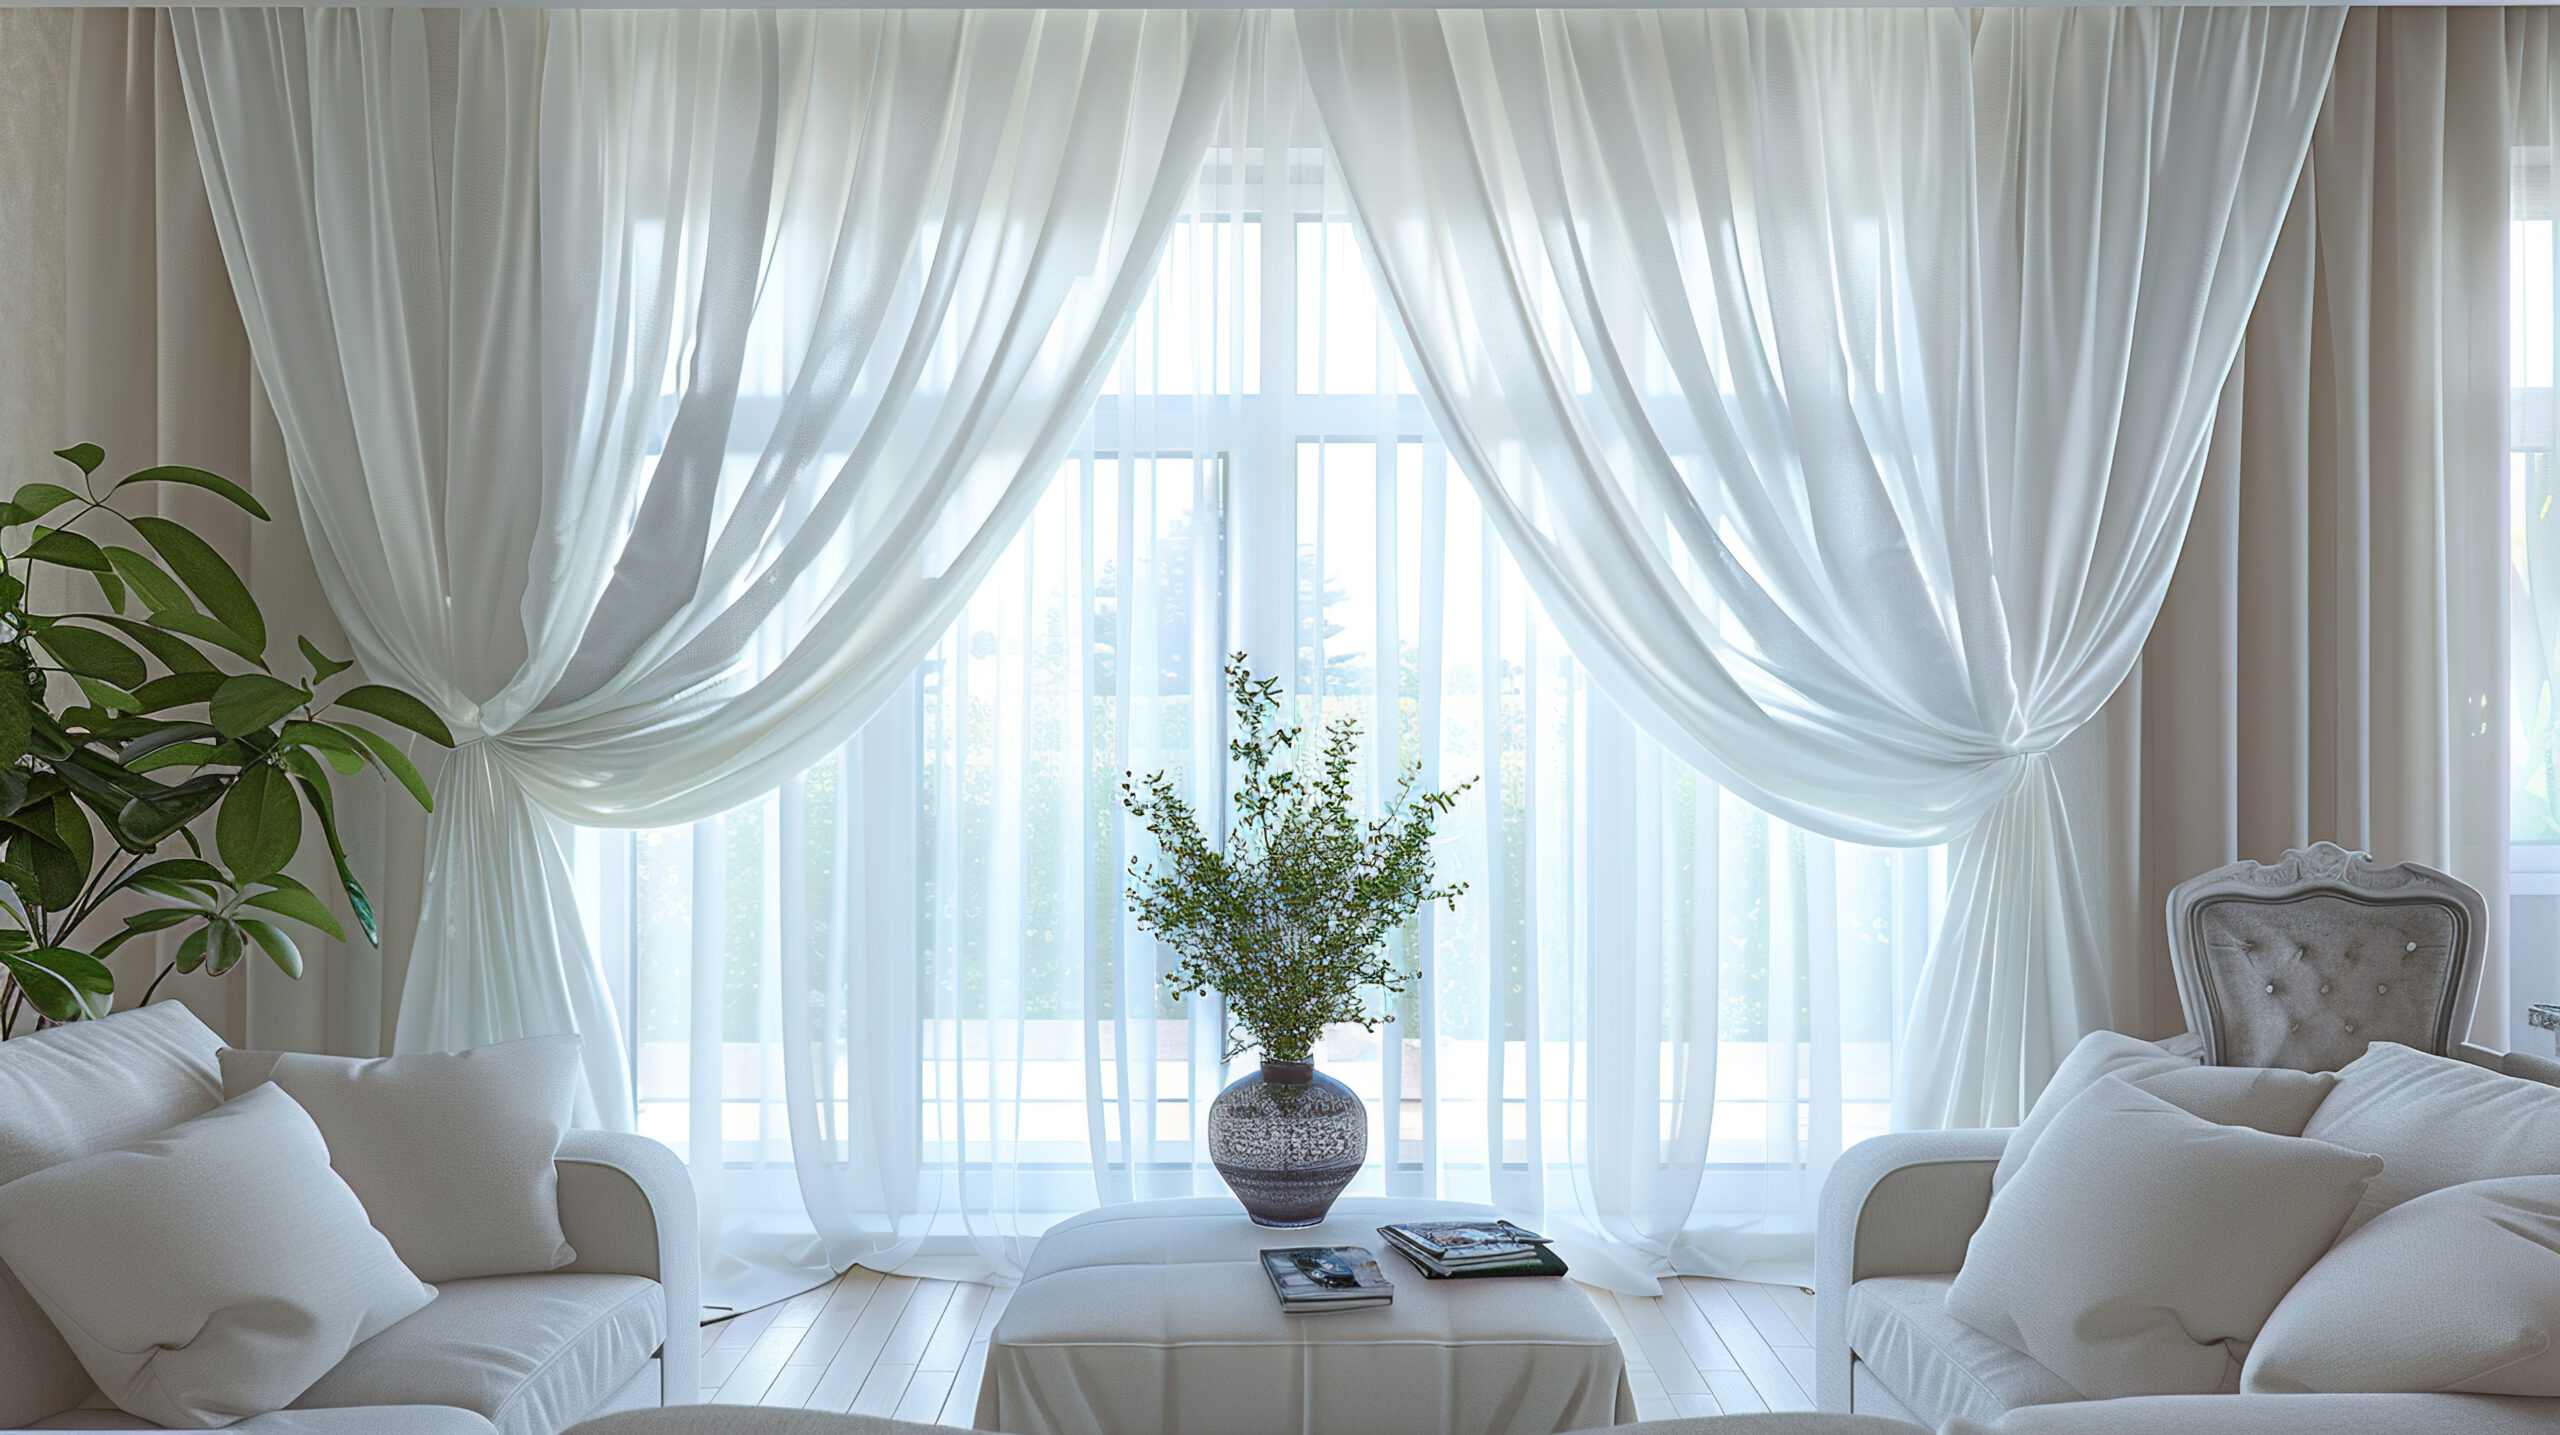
x: 1841, y: 381
x: 897, y: 1014
x: 504, y: 274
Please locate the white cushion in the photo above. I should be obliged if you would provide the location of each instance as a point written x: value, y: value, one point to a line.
x: 2436, y: 1122
x: 376, y: 1420
x: 533, y: 1354
x: 2141, y: 1246
x: 2272, y: 1099
x: 450, y: 1152
x: 1937, y: 1366
x: 2458, y: 1289
x: 209, y: 1272
x: 64, y: 1092
x: 2099, y: 1055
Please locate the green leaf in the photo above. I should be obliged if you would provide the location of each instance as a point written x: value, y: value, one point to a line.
x: 56, y: 978
x: 191, y: 952
x: 68, y: 550
x: 300, y: 905
x: 176, y: 754
x: 58, y: 873
x: 87, y: 455
x: 175, y: 653
x: 394, y: 705
x: 260, y: 825
x: 394, y: 759
x: 179, y: 690
x: 203, y: 629
x: 343, y: 752
x: 318, y: 795
x: 39, y: 499
x: 208, y: 577
x: 197, y: 478
x: 323, y: 667
x: 149, y: 580
x: 161, y: 735
x: 106, y: 695
x: 16, y: 719
x: 143, y: 924
x: 253, y: 701
x: 111, y: 588
x: 87, y: 652
x: 272, y: 940
x: 225, y: 949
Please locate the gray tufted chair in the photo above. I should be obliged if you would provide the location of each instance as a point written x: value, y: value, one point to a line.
x: 2304, y: 962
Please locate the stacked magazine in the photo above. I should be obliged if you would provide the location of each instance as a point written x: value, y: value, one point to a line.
x: 1312, y: 1279
x: 1449, y: 1250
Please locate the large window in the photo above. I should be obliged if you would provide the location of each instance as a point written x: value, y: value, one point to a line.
x: 902, y: 1000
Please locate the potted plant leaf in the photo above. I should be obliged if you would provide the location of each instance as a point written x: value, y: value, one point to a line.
x: 121, y: 727
x: 1288, y: 921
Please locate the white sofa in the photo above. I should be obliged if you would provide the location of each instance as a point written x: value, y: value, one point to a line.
x: 1896, y: 1216
x: 500, y: 1355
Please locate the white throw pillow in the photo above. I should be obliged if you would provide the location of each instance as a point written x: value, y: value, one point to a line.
x: 64, y: 1092
x: 450, y: 1151
x: 2141, y: 1246
x: 2263, y: 1098
x: 211, y: 1272
x: 2436, y: 1122
x: 2099, y: 1055
x: 2458, y: 1289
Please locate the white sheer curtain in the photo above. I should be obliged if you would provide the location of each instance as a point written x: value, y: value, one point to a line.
x: 896, y: 1013
x: 503, y: 273
x: 1841, y: 381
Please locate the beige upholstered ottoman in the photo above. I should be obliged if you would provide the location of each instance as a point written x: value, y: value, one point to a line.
x: 1155, y: 1319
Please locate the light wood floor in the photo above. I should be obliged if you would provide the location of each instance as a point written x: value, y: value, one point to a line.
x: 914, y: 1349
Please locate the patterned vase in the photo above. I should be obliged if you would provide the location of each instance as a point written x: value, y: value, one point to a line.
x: 1287, y: 1139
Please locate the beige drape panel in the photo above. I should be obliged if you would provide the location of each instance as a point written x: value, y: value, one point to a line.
x: 108, y: 220
x: 2330, y: 662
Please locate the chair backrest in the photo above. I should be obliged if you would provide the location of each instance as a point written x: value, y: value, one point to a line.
x: 2304, y: 962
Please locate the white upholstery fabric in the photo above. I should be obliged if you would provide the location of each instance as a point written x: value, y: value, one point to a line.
x: 1155, y: 1316
x: 1905, y: 1203
x: 530, y: 1352
x: 450, y: 1152
x: 2436, y: 1122
x: 2270, y: 1099
x: 628, y: 1207
x: 2277, y: 1415
x: 374, y: 1420
x: 2458, y: 1289
x: 64, y: 1093
x: 2140, y: 1247
x: 2100, y: 1054
x: 211, y: 1271
x: 1937, y: 1366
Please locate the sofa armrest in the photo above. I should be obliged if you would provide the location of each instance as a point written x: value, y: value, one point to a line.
x: 626, y: 1205
x: 2276, y: 1415
x: 1904, y: 1204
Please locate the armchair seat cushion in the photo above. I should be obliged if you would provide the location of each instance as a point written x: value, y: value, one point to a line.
x: 1940, y: 1367
x: 530, y: 1353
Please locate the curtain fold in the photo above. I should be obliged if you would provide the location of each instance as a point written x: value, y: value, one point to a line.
x: 2330, y: 662
x: 1841, y: 383
x: 514, y: 281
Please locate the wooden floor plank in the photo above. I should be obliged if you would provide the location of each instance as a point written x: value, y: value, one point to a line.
x: 1797, y: 1302
x: 951, y: 1335
x: 882, y: 1392
x: 1693, y: 1406
x: 793, y: 1385
x: 747, y: 1383
x: 1699, y: 1338
x: 739, y: 1336
x: 961, y: 1406
x: 844, y: 1306
x: 925, y: 1395
x: 908, y: 1337
x: 850, y: 1370
x: 1762, y: 1308
x: 1735, y: 1392
x: 1652, y: 1401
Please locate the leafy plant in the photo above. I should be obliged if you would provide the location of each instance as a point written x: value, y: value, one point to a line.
x: 1289, y: 922
x: 167, y: 729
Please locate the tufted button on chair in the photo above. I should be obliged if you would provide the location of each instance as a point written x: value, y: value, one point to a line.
x: 2305, y: 962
